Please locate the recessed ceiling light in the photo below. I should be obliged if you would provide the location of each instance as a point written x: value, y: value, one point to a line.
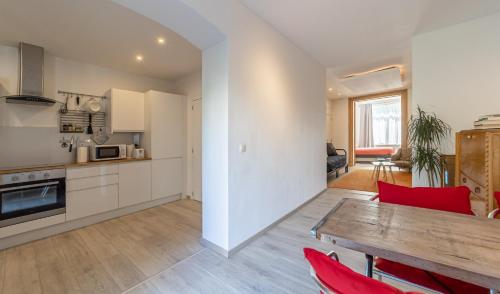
x: 139, y: 58
x: 330, y: 89
x: 160, y: 40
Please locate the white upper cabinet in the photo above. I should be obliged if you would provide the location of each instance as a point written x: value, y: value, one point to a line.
x: 165, y: 132
x: 125, y: 111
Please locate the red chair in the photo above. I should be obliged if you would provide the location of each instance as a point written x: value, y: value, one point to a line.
x: 454, y: 199
x: 334, y: 277
x: 495, y: 212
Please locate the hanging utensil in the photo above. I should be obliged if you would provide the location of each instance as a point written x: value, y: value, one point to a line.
x: 89, y: 128
x: 100, y: 136
x: 71, y: 143
x: 64, y: 107
x: 93, y: 105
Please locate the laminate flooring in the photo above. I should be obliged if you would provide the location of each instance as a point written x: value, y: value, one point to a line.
x: 273, y: 263
x: 158, y: 251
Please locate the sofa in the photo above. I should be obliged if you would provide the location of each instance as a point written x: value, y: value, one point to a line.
x: 335, y: 160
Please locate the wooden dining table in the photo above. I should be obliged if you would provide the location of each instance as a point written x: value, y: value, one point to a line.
x: 460, y: 246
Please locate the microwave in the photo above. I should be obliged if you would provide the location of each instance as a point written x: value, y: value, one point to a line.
x: 108, y: 152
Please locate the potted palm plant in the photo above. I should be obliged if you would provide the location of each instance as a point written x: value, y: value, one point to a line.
x: 427, y: 132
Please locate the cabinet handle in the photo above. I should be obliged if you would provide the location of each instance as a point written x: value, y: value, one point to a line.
x: 464, y: 180
x: 477, y: 190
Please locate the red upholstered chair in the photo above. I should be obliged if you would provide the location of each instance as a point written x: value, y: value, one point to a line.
x: 334, y: 277
x: 455, y: 199
x: 495, y: 212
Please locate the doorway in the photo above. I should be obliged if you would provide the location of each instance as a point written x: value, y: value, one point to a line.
x: 196, y: 155
x: 377, y: 126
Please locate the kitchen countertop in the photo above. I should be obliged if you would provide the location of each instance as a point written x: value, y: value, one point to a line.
x: 67, y: 165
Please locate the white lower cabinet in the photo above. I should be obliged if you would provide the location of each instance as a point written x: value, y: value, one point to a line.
x: 91, y: 201
x: 134, y: 182
x: 167, y: 177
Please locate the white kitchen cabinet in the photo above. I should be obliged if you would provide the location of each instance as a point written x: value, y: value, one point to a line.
x: 91, y: 190
x: 91, y: 171
x: 134, y: 181
x: 88, y: 202
x: 165, y: 131
x: 124, y: 111
x: 167, y: 177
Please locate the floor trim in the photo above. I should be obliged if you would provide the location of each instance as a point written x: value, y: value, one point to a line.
x: 216, y: 248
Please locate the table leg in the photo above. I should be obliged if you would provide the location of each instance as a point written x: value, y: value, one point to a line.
x: 377, y: 173
x: 369, y: 266
x: 374, y: 169
x: 385, y: 173
x: 392, y: 175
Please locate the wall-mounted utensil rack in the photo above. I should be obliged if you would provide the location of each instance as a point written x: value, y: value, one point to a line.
x: 80, y: 94
x: 77, y: 121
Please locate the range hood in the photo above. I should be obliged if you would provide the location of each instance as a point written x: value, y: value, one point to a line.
x: 30, y: 85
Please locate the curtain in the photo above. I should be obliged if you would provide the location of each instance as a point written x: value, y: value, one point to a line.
x: 365, y: 131
x: 387, y: 123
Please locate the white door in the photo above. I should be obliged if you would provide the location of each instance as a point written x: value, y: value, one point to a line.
x: 196, y: 152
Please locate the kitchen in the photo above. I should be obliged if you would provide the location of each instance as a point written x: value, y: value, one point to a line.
x: 96, y: 127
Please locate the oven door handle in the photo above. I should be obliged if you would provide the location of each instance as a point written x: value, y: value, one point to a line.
x: 28, y: 186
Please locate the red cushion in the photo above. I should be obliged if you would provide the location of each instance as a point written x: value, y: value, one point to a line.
x: 427, y: 279
x: 497, y: 196
x: 454, y: 199
x: 341, y: 279
x: 408, y: 273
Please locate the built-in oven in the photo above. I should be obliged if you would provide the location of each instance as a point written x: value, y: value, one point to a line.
x: 32, y: 195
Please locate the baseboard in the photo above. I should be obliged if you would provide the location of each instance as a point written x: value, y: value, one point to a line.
x: 233, y: 251
x: 216, y: 248
x: 80, y: 223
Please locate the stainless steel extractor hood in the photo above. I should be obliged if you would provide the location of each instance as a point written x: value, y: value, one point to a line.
x: 30, y: 86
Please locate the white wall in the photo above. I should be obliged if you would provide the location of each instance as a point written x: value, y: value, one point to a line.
x: 329, y: 120
x: 191, y: 87
x: 215, y: 165
x: 275, y: 105
x: 455, y: 74
x: 340, y: 121
x: 67, y: 75
x: 277, y: 109
x: 30, y: 134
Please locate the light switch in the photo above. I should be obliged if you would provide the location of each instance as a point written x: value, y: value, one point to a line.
x: 243, y: 148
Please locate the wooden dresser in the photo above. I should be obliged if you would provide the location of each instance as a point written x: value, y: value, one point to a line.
x: 478, y: 166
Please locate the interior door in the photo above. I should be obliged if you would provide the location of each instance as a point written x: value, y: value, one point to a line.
x: 196, y: 152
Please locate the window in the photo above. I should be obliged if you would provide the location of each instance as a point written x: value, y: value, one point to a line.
x: 387, y: 122
x: 378, y: 122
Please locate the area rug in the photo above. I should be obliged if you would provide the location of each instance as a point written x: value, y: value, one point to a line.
x: 361, y: 180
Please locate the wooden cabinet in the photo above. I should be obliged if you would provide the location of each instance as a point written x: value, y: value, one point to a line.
x: 167, y: 177
x: 478, y: 166
x: 124, y: 111
x: 91, y: 190
x: 134, y: 182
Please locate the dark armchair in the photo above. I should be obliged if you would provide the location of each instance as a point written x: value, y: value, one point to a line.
x: 336, y: 159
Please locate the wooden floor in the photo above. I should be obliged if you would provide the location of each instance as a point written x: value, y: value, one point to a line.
x: 158, y: 251
x: 108, y: 257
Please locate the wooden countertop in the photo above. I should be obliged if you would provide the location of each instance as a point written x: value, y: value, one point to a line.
x: 114, y: 161
x: 67, y: 165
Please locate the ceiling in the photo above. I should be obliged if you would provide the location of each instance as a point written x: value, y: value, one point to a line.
x: 98, y: 32
x: 351, y: 36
